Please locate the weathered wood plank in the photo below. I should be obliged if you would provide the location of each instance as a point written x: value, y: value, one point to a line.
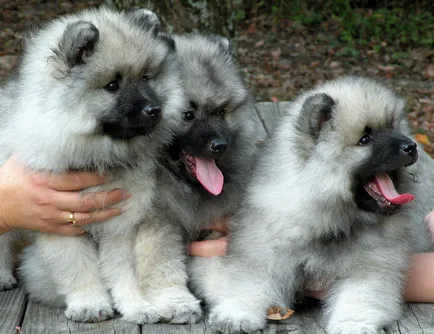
x: 12, y: 306
x: 198, y: 328
x: 39, y: 319
x: 304, y: 322
x: 268, y: 113
x: 283, y: 107
x: 260, y: 130
x: 416, y: 319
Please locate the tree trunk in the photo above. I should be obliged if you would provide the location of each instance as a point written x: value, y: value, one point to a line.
x: 181, y: 16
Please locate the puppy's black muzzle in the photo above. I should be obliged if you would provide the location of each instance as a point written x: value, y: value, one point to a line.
x: 391, y: 151
x: 135, y: 123
x: 208, y: 139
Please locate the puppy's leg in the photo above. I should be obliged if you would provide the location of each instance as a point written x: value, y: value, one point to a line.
x: 117, y: 269
x: 160, y: 260
x: 238, y: 294
x: 7, y: 279
x: 71, y: 263
x: 365, y: 302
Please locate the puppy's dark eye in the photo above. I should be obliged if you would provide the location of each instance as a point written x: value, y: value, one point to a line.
x: 112, y: 86
x: 145, y: 77
x: 365, y: 140
x: 189, y: 115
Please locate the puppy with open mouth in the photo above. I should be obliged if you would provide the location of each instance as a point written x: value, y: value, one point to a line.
x: 329, y: 206
x: 205, y: 172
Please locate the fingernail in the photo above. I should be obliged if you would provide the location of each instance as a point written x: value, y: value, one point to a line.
x: 118, y: 211
x: 126, y: 195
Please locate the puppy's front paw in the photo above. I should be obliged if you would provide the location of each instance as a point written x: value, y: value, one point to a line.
x: 7, y: 281
x: 353, y: 328
x: 91, y: 313
x: 235, y: 317
x: 178, y: 306
x: 141, y: 313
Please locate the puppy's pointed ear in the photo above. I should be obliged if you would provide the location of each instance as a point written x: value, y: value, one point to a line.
x: 145, y: 19
x: 315, y: 112
x: 77, y: 43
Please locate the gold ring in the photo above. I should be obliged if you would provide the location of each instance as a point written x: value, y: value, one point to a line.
x: 71, y: 221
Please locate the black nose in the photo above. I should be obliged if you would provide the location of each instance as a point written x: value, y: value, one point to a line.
x: 409, y: 148
x: 218, y: 146
x: 152, y: 111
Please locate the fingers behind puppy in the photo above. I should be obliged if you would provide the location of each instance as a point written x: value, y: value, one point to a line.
x: 73, y: 201
x: 209, y: 248
x: 70, y: 181
x: 86, y: 218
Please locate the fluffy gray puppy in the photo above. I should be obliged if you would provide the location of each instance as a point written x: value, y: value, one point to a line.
x: 98, y: 90
x: 206, y: 170
x: 328, y: 208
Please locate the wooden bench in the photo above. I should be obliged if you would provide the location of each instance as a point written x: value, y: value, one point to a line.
x: 33, y: 318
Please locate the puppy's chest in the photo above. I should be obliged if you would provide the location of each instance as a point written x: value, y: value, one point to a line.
x: 142, y: 187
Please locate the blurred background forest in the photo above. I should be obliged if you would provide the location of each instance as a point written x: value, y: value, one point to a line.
x: 285, y: 46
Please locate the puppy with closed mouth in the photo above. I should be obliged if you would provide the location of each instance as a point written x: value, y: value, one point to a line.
x: 206, y: 168
x: 97, y: 90
x: 328, y: 207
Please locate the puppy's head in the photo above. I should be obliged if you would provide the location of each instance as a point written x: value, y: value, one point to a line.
x: 215, y: 90
x: 357, y: 127
x: 107, y: 79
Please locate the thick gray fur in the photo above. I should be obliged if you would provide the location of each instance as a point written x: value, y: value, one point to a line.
x: 300, y: 228
x: 51, y: 119
x: 211, y: 79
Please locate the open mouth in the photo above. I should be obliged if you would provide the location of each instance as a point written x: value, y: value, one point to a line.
x: 381, y: 188
x: 205, y: 171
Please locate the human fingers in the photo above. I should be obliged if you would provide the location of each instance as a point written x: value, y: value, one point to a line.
x: 320, y: 295
x: 69, y: 181
x: 209, y: 248
x: 86, y: 218
x: 73, y: 201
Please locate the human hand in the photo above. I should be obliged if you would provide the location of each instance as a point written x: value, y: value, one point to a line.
x: 212, y: 247
x: 320, y: 295
x: 43, y: 202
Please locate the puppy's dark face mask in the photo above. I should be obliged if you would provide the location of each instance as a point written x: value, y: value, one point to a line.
x: 377, y: 178
x: 199, y: 149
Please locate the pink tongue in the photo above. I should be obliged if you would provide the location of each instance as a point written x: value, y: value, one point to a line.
x: 387, y: 189
x: 208, y: 174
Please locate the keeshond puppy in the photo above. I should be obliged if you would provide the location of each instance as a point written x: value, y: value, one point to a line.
x: 206, y: 170
x: 98, y: 90
x: 327, y: 208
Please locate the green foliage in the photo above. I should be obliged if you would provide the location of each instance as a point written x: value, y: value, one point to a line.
x: 400, y: 23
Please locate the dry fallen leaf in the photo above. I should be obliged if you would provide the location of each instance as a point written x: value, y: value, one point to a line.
x: 275, y: 313
x: 422, y: 138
